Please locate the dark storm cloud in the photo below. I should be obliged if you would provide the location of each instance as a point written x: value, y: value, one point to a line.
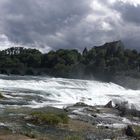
x: 53, y: 24
x: 129, y: 12
x: 131, y: 21
x: 42, y: 22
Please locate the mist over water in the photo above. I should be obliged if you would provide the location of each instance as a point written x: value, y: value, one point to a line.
x: 36, y: 92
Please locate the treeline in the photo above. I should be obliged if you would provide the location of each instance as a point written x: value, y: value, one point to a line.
x: 109, y: 59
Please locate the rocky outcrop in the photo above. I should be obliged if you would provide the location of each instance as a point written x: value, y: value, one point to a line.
x: 129, y: 131
x: 109, y: 105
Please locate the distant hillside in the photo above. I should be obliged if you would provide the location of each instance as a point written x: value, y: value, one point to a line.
x: 102, y: 62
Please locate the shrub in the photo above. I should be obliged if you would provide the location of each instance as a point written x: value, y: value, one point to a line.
x: 15, y: 71
x: 29, y: 72
x: 137, y: 131
x: 49, y: 118
x: 74, y: 137
x: 64, y: 118
x: 3, y: 71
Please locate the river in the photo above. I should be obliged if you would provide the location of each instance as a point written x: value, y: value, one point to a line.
x: 41, y: 91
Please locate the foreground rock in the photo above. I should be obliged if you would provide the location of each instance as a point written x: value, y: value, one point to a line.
x: 80, y: 122
x: 107, y: 120
x: 129, y: 131
x: 15, y: 137
x: 109, y: 105
x: 1, y: 96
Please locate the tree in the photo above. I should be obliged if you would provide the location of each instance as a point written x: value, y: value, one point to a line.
x: 85, y: 51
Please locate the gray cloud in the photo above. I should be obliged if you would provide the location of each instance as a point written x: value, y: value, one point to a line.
x: 129, y: 12
x: 53, y: 24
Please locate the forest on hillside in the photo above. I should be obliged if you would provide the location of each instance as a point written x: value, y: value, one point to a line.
x: 108, y: 59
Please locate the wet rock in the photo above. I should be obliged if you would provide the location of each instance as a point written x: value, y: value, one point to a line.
x: 109, y: 105
x: 1, y: 96
x: 94, y: 115
x: 129, y: 131
x: 13, y: 102
x: 124, y: 109
x: 66, y: 109
x: 80, y: 104
x: 28, y: 118
x: 92, y: 109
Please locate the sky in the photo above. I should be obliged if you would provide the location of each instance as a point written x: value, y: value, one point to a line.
x: 69, y: 24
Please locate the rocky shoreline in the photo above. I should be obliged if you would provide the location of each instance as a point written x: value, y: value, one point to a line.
x: 84, y: 123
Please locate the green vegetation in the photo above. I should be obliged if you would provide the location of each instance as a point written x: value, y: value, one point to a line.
x: 137, y: 131
x: 74, y: 137
x: 29, y: 134
x: 49, y: 118
x: 103, y: 61
x: 1, y: 96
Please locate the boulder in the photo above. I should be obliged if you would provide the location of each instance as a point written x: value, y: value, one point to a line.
x: 81, y: 104
x: 129, y: 131
x: 109, y: 105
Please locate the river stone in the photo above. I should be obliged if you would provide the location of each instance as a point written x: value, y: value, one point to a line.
x: 129, y: 131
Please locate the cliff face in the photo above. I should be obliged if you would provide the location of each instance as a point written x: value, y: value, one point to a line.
x: 114, y: 44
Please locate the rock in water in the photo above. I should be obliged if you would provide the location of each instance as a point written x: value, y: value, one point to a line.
x: 109, y: 105
x: 129, y: 131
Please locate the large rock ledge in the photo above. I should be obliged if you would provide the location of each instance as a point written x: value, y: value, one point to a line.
x: 76, y: 122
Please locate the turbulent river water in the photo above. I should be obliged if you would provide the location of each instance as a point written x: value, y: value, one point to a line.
x: 36, y: 92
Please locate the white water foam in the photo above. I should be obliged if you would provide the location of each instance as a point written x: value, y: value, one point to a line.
x: 61, y: 92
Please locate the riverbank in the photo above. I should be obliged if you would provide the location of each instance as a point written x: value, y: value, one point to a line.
x: 45, y: 108
x: 84, y: 123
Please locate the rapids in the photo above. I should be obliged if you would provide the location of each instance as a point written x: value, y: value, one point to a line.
x: 37, y: 91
